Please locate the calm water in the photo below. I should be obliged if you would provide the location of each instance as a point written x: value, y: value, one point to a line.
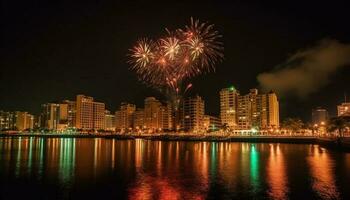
x: 68, y: 168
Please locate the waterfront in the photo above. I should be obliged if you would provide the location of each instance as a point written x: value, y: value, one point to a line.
x: 56, y: 168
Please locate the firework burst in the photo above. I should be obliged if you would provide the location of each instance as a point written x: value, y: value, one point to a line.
x: 184, y: 53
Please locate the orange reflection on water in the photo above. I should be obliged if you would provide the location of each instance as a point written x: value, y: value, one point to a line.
x: 276, y: 173
x: 323, y: 180
x: 164, y: 183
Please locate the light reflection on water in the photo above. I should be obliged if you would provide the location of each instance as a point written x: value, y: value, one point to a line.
x: 142, y: 169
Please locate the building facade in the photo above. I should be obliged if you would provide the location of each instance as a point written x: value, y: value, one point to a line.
x: 139, y: 119
x: 228, y: 106
x: 50, y: 116
x: 24, y: 121
x: 253, y: 110
x: 109, y: 121
x: 193, y: 114
x: 7, y: 120
x: 85, y: 112
x: 99, y: 116
x: 343, y: 109
x: 124, y: 117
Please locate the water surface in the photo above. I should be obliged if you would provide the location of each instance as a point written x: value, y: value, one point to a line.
x: 85, y: 168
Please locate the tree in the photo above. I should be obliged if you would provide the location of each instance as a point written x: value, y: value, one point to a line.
x: 339, y: 124
x: 293, y: 124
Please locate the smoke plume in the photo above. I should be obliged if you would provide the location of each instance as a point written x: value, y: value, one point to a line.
x: 308, y: 70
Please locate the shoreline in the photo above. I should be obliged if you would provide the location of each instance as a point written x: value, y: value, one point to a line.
x: 331, y: 143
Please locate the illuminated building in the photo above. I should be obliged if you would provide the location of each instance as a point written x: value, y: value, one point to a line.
x: 153, y: 114
x: 167, y: 117
x: 252, y: 110
x: 124, y: 117
x: 50, y: 116
x: 319, y: 116
x: 109, y: 121
x: 7, y: 120
x: 193, y: 114
x: 211, y: 123
x: 228, y: 106
x: 269, y: 110
x: 344, y: 109
x: 99, y: 116
x: 139, y: 119
x: 55, y: 116
x: 244, y: 112
x: 24, y: 121
x: 85, y: 112
x: 99, y: 109
x: 90, y: 115
x: 71, y: 113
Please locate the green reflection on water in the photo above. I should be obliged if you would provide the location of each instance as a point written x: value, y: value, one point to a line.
x: 213, y: 158
x: 41, y: 157
x: 67, y: 159
x: 18, y: 160
x: 30, y: 155
x: 254, y: 167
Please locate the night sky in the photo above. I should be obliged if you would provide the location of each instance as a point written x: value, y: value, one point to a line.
x: 53, y: 50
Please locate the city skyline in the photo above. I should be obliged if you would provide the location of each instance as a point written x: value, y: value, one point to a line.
x: 54, y: 54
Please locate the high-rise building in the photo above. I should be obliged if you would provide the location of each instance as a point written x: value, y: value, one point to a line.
x: 248, y: 111
x: 84, y: 112
x: 57, y: 116
x: 50, y: 116
x: 193, y: 114
x: 109, y: 121
x: 99, y: 116
x: 167, y: 123
x: 228, y: 106
x: 319, y: 116
x: 139, y: 119
x: 269, y: 110
x: 124, y: 117
x: 244, y: 112
x: 344, y: 109
x: 24, y: 121
x: 7, y: 120
x: 153, y: 114
x: 71, y: 115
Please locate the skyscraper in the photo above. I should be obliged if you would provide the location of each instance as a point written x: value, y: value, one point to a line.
x: 153, y: 114
x: 228, y: 106
x: 98, y: 116
x: 24, y: 121
x: 50, y: 116
x: 252, y: 110
x: 139, y: 119
x: 71, y: 115
x: 109, y: 121
x: 124, y: 117
x: 272, y: 107
x: 244, y: 112
x: 193, y: 114
x: 85, y: 112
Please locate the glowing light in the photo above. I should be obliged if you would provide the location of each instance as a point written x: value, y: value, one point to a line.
x: 180, y: 55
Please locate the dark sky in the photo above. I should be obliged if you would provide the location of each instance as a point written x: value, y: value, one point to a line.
x: 53, y: 50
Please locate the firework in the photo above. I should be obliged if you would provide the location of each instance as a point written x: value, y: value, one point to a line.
x: 178, y: 56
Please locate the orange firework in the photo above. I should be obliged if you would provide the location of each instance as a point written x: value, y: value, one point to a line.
x: 178, y: 56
